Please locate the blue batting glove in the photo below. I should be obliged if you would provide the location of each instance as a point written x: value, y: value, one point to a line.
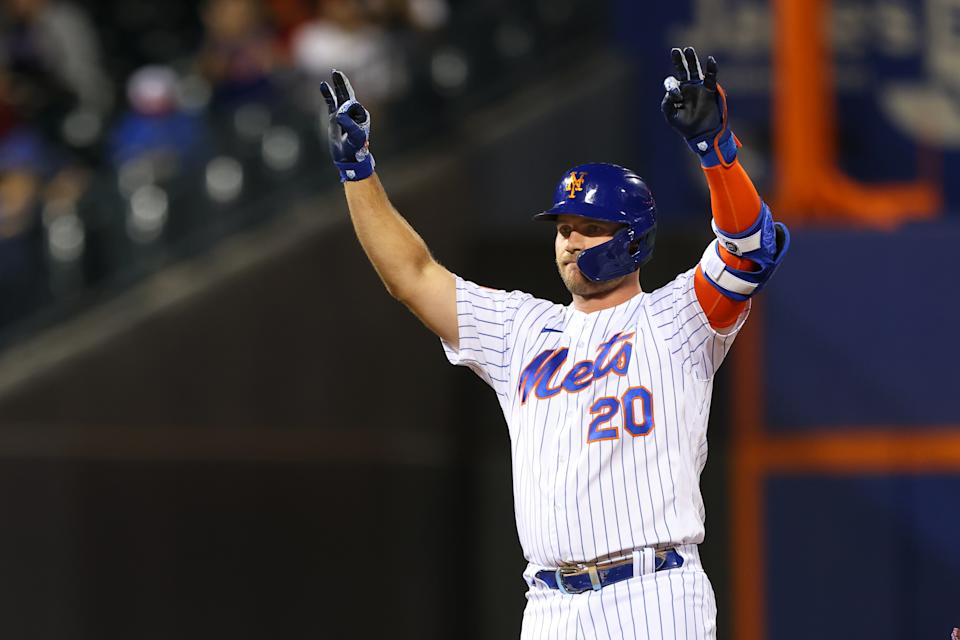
x: 696, y: 107
x: 349, y: 131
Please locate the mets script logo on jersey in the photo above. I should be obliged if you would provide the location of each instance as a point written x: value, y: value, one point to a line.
x: 613, y: 356
x: 575, y: 184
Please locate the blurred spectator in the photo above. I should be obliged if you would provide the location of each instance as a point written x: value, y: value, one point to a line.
x: 52, y: 56
x: 344, y: 36
x: 239, y: 53
x: 156, y: 137
x: 288, y: 15
x: 25, y: 162
x: 428, y: 14
x: 9, y: 117
x: 422, y: 15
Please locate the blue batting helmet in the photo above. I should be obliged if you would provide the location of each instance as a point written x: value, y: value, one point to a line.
x: 603, y: 191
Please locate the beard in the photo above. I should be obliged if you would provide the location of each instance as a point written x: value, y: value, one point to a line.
x: 579, y: 285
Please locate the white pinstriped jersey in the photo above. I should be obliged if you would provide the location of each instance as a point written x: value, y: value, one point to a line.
x: 607, y: 414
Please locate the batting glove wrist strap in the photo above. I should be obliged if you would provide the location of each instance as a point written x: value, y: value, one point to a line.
x: 353, y: 171
x: 715, y: 147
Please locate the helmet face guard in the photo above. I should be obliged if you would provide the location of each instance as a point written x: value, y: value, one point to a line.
x: 622, y: 254
x: 614, y: 194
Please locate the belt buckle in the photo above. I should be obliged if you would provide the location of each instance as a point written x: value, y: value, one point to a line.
x: 567, y: 571
x: 590, y: 570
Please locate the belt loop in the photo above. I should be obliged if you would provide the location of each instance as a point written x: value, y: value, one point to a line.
x: 649, y: 560
x: 637, y: 563
x: 594, y: 577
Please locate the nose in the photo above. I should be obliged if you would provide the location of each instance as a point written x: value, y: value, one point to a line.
x: 574, y: 242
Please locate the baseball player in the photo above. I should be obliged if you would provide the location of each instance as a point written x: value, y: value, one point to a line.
x: 606, y: 398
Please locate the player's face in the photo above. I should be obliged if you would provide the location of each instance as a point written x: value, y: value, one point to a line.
x: 574, y: 234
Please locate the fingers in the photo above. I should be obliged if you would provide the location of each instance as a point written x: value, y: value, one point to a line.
x: 687, y: 67
x: 669, y: 108
x: 672, y: 85
x: 355, y: 134
x: 328, y: 97
x: 679, y: 64
x: 710, y: 77
x: 342, y: 87
x: 342, y: 91
x: 357, y: 113
x: 693, y: 63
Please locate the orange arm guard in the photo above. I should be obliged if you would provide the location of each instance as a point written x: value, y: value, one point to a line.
x: 736, y: 204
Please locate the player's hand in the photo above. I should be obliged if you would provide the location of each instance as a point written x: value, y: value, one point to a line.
x: 696, y: 107
x: 349, y: 130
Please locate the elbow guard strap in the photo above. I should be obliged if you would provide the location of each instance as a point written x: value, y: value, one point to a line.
x: 765, y: 243
x: 756, y: 242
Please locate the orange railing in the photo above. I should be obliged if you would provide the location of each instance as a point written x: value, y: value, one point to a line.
x: 810, y: 186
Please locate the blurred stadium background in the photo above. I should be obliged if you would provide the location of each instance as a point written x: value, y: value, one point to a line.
x: 214, y: 423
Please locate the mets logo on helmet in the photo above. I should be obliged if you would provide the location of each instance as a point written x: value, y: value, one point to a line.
x: 575, y: 184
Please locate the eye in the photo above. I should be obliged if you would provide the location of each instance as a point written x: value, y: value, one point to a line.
x: 594, y: 230
x: 564, y: 230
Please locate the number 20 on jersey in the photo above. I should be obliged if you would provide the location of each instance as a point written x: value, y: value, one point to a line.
x: 635, y: 408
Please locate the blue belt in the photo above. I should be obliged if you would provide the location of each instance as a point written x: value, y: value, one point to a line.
x: 573, y: 580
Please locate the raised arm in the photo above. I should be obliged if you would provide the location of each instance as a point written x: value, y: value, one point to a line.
x: 736, y: 205
x: 749, y: 245
x: 398, y: 254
